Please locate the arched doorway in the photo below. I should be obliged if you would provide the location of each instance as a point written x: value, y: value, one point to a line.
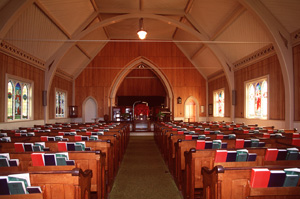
x: 191, y: 110
x: 149, y: 65
x: 89, y: 110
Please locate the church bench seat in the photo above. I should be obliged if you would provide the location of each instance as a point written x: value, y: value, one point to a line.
x: 229, y: 182
x: 197, y: 159
x: 105, y: 147
x: 66, y: 184
x: 92, y: 160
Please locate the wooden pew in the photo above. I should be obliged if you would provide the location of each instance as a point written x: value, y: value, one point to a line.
x: 196, y: 159
x: 85, y: 160
x: 65, y: 184
x: 234, y: 183
x: 103, y: 146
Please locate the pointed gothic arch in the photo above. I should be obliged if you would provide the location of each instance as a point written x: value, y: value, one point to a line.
x: 85, y: 105
x: 186, y: 104
x: 128, y: 68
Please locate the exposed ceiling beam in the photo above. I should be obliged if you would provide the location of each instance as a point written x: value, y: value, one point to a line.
x: 189, y: 6
x: 198, y: 52
x: 229, y: 21
x: 94, y: 5
x: 83, y: 51
x: 147, y: 11
x: 52, y: 18
x: 141, y: 5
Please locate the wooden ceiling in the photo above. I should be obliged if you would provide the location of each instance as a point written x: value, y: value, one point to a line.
x: 68, y: 34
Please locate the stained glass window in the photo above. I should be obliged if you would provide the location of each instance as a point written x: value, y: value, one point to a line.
x: 257, y: 99
x: 18, y: 94
x: 219, y: 103
x: 10, y: 92
x: 25, y: 102
x: 18, y: 100
x: 60, y: 104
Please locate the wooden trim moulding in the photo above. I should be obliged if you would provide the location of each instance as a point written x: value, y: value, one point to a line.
x: 21, y: 55
x: 254, y: 57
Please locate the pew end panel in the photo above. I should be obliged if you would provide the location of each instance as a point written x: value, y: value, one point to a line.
x: 234, y: 183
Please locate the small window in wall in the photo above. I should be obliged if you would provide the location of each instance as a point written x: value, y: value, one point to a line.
x: 60, y: 104
x: 219, y: 103
x: 257, y: 99
x: 18, y: 99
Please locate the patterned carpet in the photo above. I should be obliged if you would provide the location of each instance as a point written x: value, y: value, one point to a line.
x: 143, y: 173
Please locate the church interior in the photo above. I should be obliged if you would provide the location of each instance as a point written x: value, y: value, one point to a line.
x: 150, y: 99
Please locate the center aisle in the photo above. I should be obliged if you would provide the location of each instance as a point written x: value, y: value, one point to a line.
x: 143, y: 173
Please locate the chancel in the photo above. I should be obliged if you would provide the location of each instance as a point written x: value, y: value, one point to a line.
x: 149, y: 99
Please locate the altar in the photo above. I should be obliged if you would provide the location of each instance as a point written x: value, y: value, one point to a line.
x: 141, y: 120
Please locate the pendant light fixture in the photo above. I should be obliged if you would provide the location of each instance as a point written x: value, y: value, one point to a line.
x: 142, y: 33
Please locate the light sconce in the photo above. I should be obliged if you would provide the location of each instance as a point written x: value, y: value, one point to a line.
x: 142, y: 33
x: 179, y: 101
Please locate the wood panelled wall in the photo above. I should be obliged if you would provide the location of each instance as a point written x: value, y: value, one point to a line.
x: 269, y: 66
x: 20, y: 69
x: 63, y: 85
x: 141, y: 82
x: 217, y: 84
x: 296, y: 52
x: 97, y: 78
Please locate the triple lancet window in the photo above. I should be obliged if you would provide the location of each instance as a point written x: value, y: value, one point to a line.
x: 19, y: 100
x: 219, y: 103
x: 257, y: 99
x: 60, y: 104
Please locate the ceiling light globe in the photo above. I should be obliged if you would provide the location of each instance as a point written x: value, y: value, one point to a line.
x: 142, y: 34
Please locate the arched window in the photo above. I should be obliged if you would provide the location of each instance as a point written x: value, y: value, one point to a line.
x: 25, y: 102
x: 264, y: 101
x: 18, y: 107
x: 60, y: 107
x: 251, y: 102
x: 219, y: 103
x: 257, y: 99
x: 10, y: 96
x: 18, y: 100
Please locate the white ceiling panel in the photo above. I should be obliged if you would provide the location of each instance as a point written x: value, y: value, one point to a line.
x: 117, y: 5
x: 34, y: 33
x: 128, y: 29
x: 212, y: 14
x: 207, y: 62
x: 69, y: 13
x: 244, y: 29
x: 164, y: 5
x: 70, y: 65
x: 185, y: 41
x: 287, y: 12
x: 92, y: 42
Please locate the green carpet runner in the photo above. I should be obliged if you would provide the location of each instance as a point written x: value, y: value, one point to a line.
x: 143, y: 173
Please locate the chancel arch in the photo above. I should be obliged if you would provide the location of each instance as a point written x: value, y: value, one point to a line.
x: 143, y: 62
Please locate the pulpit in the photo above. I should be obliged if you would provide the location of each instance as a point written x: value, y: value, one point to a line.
x: 141, y: 120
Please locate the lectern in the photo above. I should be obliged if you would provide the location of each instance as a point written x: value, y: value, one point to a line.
x: 141, y: 120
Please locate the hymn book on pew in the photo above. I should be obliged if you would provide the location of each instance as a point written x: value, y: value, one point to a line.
x: 17, y: 184
x: 5, y: 160
x: 51, y: 159
x: 259, y: 178
x: 277, y: 178
x: 263, y: 177
x: 292, y: 177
